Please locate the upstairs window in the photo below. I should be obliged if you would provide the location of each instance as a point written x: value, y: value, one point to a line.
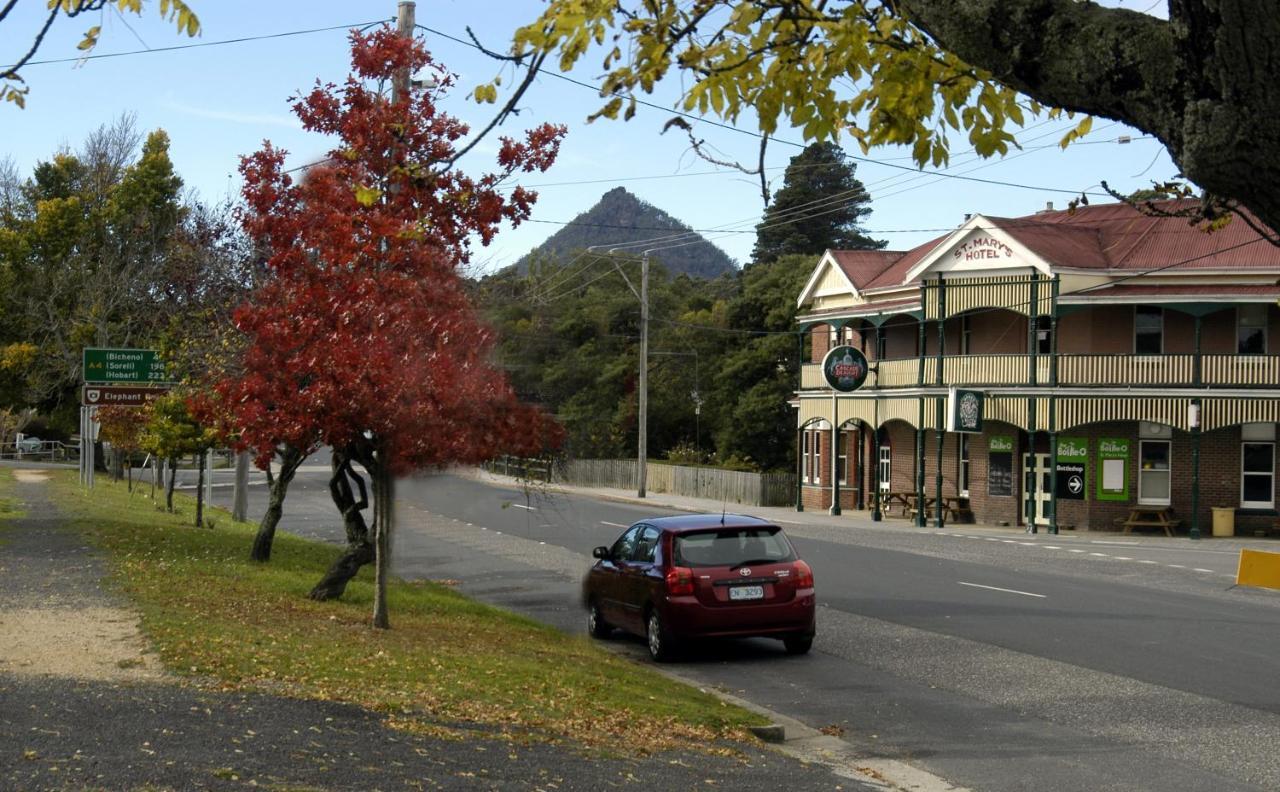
x: 1251, y: 330
x: 966, y: 335
x: 1044, y: 337
x: 881, y: 343
x: 1148, y: 330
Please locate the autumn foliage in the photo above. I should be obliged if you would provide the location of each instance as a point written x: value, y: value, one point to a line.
x: 363, y: 337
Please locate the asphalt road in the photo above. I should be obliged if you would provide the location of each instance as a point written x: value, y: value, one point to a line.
x: 996, y: 660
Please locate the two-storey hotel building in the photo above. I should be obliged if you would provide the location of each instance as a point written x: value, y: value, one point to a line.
x: 1122, y: 362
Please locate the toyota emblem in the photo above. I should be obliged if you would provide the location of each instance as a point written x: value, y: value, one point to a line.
x: 745, y: 571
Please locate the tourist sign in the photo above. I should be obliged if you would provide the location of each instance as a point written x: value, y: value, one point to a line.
x: 118, y: 395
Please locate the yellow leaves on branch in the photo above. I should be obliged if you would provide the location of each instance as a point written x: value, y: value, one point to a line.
x: 175, y: 11
x: 856, y: 69
x: 367, y: 196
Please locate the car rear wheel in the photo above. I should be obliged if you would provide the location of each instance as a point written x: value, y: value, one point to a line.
x: 596, y: 625
x: 798, y: 644
x: 661, y: 644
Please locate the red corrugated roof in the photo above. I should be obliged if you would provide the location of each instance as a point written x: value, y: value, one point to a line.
x: 1129, y: 239
x: 862, y: 266
x: 896, y: 275
x: 1104, y: 236
x: 1168, y: 290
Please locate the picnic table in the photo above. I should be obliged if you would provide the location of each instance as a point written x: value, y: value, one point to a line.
x: 905, y: 500
x: 954, y: 507
x: 1151, y: 517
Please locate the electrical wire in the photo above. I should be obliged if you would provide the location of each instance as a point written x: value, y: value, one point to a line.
x: 201, y: 44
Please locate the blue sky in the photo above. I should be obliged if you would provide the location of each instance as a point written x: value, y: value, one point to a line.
x: 220, y: 102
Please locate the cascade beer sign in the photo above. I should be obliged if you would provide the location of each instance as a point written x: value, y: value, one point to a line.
x: 845, y: 369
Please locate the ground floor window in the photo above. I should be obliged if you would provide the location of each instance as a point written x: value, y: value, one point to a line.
x: 1154, y: 472
x: 885, y: 467
x: 1257, y: 475
x: 964, y: 465
x: 813, y: 456
x: 804, y: 455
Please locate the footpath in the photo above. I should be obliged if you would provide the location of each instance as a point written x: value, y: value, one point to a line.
x: 84, y: 704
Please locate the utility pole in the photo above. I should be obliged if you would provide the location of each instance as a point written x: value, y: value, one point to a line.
x: 404, y: 28
x: 643, y: 441
x: 240, y: 497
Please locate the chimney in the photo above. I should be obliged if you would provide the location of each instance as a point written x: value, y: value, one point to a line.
x: 967, y: 216
x: 1048, y: 206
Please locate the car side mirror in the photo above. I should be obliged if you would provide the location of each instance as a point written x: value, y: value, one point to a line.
x: 601, y: 553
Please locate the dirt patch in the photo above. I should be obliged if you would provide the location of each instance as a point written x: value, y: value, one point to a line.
x: 85, y: 643
x: 31, y: 476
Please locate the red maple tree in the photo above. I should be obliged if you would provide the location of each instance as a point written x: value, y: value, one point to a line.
x: 362, y: 338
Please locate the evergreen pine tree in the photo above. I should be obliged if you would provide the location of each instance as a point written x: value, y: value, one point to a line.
x: 819, y: 207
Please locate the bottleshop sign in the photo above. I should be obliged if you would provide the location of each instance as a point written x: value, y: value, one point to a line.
x: 123, y: 365
x: 1113, y: 462
x: 1070, y: 467
x: 845, y: 368
x: 964, y: 410
x: 1001, y: 444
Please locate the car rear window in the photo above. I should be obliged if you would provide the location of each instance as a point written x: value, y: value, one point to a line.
x: 732, y: 546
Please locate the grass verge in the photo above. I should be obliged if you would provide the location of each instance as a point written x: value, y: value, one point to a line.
x: 448, y: 661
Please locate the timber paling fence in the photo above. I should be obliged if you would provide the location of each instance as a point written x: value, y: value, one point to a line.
x: 731, y: 486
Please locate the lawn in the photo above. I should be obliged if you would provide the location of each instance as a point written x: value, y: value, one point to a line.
x: 449, y: 664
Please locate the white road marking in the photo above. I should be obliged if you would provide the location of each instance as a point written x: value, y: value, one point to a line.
x: 1100, y: 555
x: 1176, y: 566
x: 1051, y: 547
x: 1126, y: 544
x: 1123, y: 558
x: 1145, y: 561
x: 1198, y: 569
x: 1009, y: 541
x: 612, y: 525
x: 1073, y: 550
x: 991, y: 539
x: 526, y: 508
x: 997, y: 588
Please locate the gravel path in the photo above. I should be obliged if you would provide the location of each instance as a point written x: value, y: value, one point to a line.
x: 84, y: 704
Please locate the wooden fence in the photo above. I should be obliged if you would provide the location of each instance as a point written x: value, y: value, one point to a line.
x: 729, y: 486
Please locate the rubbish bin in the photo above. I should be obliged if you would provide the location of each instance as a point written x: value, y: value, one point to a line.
x: 1224, y: 521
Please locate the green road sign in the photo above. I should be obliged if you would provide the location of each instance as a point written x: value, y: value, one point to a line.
x: 123, y: 365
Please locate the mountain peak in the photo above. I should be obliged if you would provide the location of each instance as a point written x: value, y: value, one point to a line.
x: 619, y: 218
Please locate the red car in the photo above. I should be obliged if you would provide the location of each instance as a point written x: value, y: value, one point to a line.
x: 671, y: 579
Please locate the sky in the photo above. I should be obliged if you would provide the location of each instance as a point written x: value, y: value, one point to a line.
x: 222, y: 101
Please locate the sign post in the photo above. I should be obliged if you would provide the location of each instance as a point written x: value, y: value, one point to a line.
x: 845, y: 370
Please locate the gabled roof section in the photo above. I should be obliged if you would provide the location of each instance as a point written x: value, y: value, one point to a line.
x: 980, y: 246
x: 846, y: 272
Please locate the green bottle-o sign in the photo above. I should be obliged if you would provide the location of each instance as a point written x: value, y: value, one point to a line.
x: 845, y: 368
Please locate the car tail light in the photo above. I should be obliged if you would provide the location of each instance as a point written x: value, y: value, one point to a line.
x: 804, y: 575
x: 679, y: 580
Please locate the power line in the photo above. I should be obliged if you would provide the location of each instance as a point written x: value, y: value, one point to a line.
x: 198, y: 45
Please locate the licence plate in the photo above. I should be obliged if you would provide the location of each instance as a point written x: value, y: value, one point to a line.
x: 746, y: 593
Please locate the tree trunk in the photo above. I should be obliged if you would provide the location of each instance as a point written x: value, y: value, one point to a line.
x: 290, y: 459
x: 173, y: 480
x: 240, y: 497
x: 1201, y: 82
x: 360, y: 549
x: 128, y: 471
x: 200, y: 459
x: 383, y: 495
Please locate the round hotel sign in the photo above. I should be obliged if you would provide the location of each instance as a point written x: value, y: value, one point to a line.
x: 845, y: 368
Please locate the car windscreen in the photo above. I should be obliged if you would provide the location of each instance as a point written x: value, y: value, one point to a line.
x: 732, y: 547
